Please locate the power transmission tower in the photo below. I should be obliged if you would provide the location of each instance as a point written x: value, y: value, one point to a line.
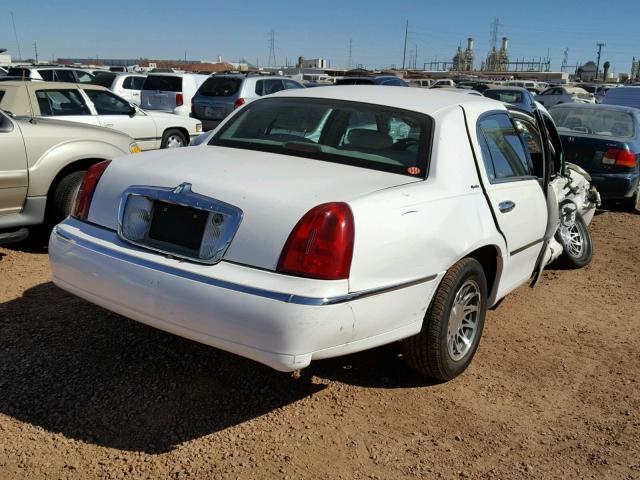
x: 350, y: 62
x: 15, y: 33
x: 404, y: 53
x: 565, y: 60
x: 493, y: 36
x: 272, y: 48
x: 599, y: 45
x: 35, y: 48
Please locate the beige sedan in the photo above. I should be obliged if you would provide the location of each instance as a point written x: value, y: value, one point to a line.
x: 95, y: 105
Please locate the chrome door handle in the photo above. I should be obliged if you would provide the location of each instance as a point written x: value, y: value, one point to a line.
x: 506, y: 206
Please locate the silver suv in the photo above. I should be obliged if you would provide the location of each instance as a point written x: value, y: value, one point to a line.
x: 220, y: 95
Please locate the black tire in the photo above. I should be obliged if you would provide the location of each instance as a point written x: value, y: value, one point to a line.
x: 572, y: 256
x: 173, y: 138
x: 428, y: 352
x: 64, y: 194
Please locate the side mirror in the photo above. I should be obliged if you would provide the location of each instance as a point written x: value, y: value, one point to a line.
x: 132, y: 111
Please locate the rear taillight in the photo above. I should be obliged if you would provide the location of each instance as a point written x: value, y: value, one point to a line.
x: 321, y: 244
x: 620, y: 157
x: 239, y: 102
x: 85, y: 192
x: 179, y: 99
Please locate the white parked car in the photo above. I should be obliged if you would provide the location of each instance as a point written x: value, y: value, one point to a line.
x: 556, y: 95
x: 325, y: 221
x: 125, y: 85
x: 170, y: 92
x: 443, y: 83
x: 96, y: 105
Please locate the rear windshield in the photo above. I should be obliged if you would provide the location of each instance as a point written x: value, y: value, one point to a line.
x: 19, y: 72
x: 354, y: 81
x: 104, y: 79
x: 507, y: 96
x: 163, y: 83
x: 629, y: 97
x: 593, y: 121
x: 220, y: 86
x: 351, y: 133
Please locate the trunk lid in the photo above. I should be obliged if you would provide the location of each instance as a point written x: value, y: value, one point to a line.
x: 273, y: 191
x: 588, y: 151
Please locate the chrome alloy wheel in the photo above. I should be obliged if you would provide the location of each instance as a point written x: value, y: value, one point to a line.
x: 173, y: 141
x: 572, y: 239
x: 463, y: 320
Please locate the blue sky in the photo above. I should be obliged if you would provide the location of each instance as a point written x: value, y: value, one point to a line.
x: 165, y: 29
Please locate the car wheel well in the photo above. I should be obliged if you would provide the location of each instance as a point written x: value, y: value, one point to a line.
x: 487, y: 256
x: 76, y: 166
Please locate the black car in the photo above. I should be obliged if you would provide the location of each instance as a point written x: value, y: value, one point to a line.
x: 605, y: 141
x: 380, y: 80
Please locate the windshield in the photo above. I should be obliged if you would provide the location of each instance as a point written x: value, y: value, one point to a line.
x: 595, y: 121
x: 351, y: 133
x: 507, y: 96
x: 220, y: 86
x: 163, y: 83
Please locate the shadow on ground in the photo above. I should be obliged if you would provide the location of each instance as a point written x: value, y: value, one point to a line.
x: 74, y: 368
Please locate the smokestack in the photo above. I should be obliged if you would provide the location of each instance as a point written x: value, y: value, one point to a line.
x: 505, y: 43
x: 470, y: 44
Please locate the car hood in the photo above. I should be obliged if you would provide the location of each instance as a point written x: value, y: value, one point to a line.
x: 273, y: 191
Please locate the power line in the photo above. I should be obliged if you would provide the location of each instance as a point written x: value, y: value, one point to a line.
x: 404, y: 53
x: 16, y: 35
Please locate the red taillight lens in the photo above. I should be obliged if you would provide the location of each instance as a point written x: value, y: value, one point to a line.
x: 620, y: 157
x: 87, y: 187
x: 239, y: 102
x: 179, y: 99
x: 321, y: 244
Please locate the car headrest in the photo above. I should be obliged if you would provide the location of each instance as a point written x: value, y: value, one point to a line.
x: 370, y: 139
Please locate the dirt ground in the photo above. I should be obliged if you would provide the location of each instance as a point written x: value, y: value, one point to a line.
x: 552, y: 393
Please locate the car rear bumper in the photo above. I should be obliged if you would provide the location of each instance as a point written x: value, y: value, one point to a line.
x: 615, y: 186
x: 278, y: 320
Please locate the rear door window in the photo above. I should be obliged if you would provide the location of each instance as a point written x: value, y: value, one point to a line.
x: 272, y: 86
x: 83, y: 77
x: 506, y: 151
x: 138, y: 83
x: 220, y: 86
x: 64, y: 76
x: 104, y: 79
x: 61, y: 103
x: 19, y: 72
x: 288, y: 84
x: 163, y: 83
x: 46, y: 75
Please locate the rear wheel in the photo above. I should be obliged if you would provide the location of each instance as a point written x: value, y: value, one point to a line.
x: 574, y: 236
x: 173, y: 138
x: 64, y: 194
x: 453, y: 324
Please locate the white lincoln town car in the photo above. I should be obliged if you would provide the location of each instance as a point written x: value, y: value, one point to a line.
x: 316, y: 223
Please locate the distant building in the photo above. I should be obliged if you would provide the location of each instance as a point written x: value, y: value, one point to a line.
x: 588, y: 72
x: 497, y: 60
x: 319, y: 63
x: 463, y: 60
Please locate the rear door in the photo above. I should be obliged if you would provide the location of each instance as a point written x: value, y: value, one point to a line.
x: 14, y: 178
x: 63, y: 104
x: 515, y: 195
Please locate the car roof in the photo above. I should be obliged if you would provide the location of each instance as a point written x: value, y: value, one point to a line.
x: 599, y: 106
x: 51, y: 85
x: 426, y: 101
x: 508, y: 88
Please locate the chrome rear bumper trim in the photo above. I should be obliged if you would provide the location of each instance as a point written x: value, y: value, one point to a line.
x: 281, y: 297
